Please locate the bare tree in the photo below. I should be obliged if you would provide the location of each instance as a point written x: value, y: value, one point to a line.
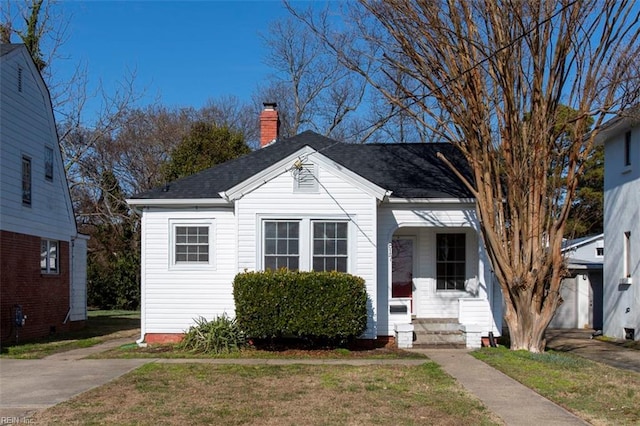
x: 494, y: 75
x: 313, y: 90
x: 231, y: 112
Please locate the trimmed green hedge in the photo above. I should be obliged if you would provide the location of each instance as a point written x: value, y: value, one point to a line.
x: 320, y: 306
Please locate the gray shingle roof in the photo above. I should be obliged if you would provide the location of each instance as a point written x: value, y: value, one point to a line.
x: 9, y: 47
x: 408, y: 170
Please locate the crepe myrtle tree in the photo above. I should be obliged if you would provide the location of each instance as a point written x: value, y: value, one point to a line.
x: 492, y: 77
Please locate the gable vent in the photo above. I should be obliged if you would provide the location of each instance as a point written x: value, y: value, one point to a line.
x: 305, y: 178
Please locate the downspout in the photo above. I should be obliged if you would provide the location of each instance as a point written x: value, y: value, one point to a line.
x: 71, y: 275
x: 140, y: 342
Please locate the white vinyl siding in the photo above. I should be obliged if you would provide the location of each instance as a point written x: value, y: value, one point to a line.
x: 621, y: 215
x: 78, y: 268
x: 337, y: 200
x: 26, y: 127
x: 174, y: 295
x: 423, y: 222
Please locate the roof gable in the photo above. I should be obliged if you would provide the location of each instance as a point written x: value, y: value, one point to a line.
x: 404, y: 170
x: 306, y: 153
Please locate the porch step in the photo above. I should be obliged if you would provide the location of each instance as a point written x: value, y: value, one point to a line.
x: 438, y: 333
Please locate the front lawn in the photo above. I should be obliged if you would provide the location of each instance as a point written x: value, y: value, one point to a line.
x: 600, y: 394
x: 275, y: 395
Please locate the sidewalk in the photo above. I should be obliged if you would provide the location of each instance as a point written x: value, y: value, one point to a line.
x: 513, y: 402
x: 30, y: 385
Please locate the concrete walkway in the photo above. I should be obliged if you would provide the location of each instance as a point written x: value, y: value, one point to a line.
x: 513, y: 402
x: 30, y: 385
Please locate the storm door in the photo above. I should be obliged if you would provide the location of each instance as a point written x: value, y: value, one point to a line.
x: 402, y: 269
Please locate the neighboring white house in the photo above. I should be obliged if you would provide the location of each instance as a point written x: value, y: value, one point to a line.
x: 393, y: 214
x: 621, y: 139
x: 43, y: 262
x: 582, y: 291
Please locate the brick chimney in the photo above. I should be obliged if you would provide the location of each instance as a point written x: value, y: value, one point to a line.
x: 269, y: 124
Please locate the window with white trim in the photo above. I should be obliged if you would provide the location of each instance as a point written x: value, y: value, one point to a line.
x: 330, y: 246
x: 49, y: 256
x: 191, y: 244
x: 627, y: 254
x: 26, y: 181
x: 48, y: 163
x: 281, y: 244
x: 450, y: 261
x: 305, y: 244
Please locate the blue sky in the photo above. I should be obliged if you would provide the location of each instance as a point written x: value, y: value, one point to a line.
x: 184, y: 52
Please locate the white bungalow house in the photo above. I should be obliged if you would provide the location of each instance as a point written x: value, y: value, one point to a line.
x: 393, y: 214
x: 621, y: 139
x: 581, y: 291
x: 43, y: 262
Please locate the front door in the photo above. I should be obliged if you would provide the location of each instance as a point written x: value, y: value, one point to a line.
x: 402, y: 269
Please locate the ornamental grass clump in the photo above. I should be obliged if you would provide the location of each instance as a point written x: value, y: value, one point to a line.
x: 219, y: 336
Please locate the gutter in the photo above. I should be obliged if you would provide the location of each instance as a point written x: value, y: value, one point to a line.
x: 431, y: 200
x: 177, y: 202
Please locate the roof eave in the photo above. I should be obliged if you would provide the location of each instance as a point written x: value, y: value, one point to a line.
x: 172, y: 202
x: 431, y: 200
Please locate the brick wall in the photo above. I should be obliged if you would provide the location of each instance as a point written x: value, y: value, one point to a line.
x: 44, y: 297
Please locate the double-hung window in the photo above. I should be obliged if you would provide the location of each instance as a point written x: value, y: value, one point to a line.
x: 191, y: 244
x: 450, y: 261
x: 48, y: 257
x: 330, y: 246
x: 26, y: 181
x: 48, y: 163
x: 281, y: 244
x: 306, y: 244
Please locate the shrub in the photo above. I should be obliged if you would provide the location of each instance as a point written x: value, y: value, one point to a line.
x: 221, y: 335
x: 325, y: 307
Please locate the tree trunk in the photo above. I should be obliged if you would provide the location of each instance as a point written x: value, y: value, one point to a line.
x: 527, y: 324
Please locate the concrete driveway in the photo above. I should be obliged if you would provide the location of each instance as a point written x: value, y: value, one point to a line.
x: 28, y: 385
x: 579, y: 342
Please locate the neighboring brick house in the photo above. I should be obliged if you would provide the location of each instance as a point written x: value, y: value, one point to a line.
x: 42, y: 256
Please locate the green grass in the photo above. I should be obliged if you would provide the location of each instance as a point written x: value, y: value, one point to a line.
x: 273, y: 395
x: 100, y: 326
x: 595, y: 392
